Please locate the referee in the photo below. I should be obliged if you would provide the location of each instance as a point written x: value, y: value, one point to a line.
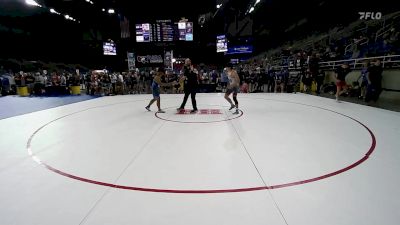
x: 190, y: 86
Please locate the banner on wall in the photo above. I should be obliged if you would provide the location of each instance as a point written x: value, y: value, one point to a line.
x: 168, y: 56
x: 244, y: 49
x: 149, y: 60
x: 131, y: 61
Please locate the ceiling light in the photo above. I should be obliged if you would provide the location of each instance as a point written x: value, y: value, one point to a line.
x: 32, y: 3
x: 111, y: 11
x: 67, y: 17
x: 54, y: 11
x: 258, y: 1
x: 103, y: 10
x: 251, y: 9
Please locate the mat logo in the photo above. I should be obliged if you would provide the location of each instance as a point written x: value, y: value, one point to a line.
x: 201, y: 112
x: 370, y: 15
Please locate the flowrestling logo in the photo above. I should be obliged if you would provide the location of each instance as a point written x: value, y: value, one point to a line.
x: 370, y: 15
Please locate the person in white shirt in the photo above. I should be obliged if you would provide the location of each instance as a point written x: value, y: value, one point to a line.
x: 121, y: 78
x: 63, y: 80
x: 121, y: 83
x: 113, y: 82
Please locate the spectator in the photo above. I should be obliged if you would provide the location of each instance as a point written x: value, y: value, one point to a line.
x: 374, y: 88
x: 293, y: 81
x: 245, y: 87
x: 19, y: 79
x: 107, y: 84
x: 271, y: 80
x: 39, y: 84
x: 12, y: 82
x: 253, y: 81
x: 135, y: 83
x: 224, y: 80
x: 148, y: 80
x: 113, y: 83
x: 259, y: 80
x: 214, y: 77
x: 55, y: 79
x: 47, y: 78
x: 280, y: 81
x: 88, y: 83
x: 63, y: 80
x: 30, y: 82
x: 128, y: 83
x: 341, y: 86
x: 8, y: 84
x: 364, y: 80
x: 307, y: 81
x: 120, y: 84
x: 319, y: 80
x: 313, y: 65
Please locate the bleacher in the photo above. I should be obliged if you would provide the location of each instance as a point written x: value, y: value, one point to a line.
x: 357, y: 40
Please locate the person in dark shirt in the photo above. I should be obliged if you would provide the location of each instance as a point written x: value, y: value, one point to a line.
x: 374, y: 87
x: 364, y: 80
x: 313, y: 65
x: 190, y: 85
x: 271, y: 80
x: 319, y: 79
x: 292, y: 81
x: 241, y: 76
x: 30, y: 81
x: 307, y: 81
x: 19, y: 79
x: 260, y: 80
x: 88, y: 83
x: 315, y: 72
x: 341, y: 73
x: 280, y: 80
